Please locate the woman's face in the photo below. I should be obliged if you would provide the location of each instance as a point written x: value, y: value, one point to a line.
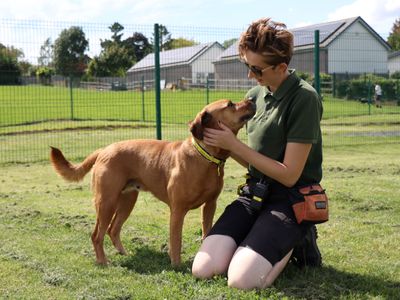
x: 266, y: 75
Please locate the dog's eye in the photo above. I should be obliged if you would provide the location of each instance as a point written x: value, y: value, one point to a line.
x: 230, y: 104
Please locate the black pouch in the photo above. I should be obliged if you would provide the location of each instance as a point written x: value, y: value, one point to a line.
x: 256, y: 192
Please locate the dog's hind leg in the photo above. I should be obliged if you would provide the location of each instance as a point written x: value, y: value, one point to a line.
x: 126, y: 203
x: 105, y: 207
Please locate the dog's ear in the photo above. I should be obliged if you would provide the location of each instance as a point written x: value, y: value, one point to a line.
x: 197, y: 125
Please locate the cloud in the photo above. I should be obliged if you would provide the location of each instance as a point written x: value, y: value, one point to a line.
x: 379, y: 14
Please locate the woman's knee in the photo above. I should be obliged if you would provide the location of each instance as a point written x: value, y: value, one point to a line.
x: 204, y: 267
x: 248, y: 270
x: 213, y: 257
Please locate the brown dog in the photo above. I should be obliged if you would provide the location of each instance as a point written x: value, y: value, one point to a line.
x: 183, y: 174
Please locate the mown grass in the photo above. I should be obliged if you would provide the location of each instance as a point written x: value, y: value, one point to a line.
x: 45, y: 223
x: 32, y: 103
x: 46, y: 251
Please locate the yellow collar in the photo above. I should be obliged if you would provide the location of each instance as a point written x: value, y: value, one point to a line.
x: 219, y: 162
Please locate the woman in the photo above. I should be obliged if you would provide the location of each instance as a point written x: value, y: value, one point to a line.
x: 253, y: 242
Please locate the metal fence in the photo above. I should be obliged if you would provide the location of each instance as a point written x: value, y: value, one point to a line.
x: 81, y: 113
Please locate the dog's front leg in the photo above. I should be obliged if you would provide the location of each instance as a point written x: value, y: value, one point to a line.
x: 175, y: 235
x: 207, y: 215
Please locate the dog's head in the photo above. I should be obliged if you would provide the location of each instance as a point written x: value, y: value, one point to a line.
x: 233, y: 115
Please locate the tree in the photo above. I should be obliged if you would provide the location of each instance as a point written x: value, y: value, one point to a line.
x: 44, y: 74
x: 46, y: 54
x: 69, y: 52
x: 229, y: 43
x: 10, y: 71
x: 394, y: 36
x: 138, y: 46
x: 115, y: 28
x: 181, y: 42
x: 116, y: 56
x: 112, y: 61
x: 164, y: 37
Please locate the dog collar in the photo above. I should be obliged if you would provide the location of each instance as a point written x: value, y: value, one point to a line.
x: 219, y: 162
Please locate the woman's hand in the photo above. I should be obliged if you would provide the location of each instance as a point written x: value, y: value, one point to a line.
x: 223, y: 138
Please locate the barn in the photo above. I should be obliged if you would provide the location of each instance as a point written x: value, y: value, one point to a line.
x: 349, y: 46
x: 192, y: 63
x: 394, y: 62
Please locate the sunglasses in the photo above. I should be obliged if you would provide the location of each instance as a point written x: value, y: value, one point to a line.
x: 256, y: 70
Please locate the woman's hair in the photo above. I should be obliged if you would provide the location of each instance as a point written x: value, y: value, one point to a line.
x: 268, y: 38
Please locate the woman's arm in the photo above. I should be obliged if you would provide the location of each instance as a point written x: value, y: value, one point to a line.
x: 287, y: 172
x: 239, y: 160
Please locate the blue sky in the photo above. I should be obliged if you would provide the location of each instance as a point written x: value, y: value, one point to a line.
x: 379, y: 14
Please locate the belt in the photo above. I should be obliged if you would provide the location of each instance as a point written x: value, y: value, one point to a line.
x: 261, y: 190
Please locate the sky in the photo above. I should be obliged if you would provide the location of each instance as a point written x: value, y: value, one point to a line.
x: 379, y: 14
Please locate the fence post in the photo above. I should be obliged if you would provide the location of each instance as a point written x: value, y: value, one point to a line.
x: 334, y: 85
x: 317, y: 83
x: 142, y: 89
x: 369, y: 96
x: 71, y: 98
x: 207, y: 90
x: 157, y: 78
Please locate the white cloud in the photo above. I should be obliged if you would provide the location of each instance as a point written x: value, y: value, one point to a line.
x: 379, y: 14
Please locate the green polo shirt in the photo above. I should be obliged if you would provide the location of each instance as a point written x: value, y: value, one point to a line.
x: 291, y: 114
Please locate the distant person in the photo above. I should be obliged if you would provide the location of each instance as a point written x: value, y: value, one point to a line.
x: 378, y: 95
x: 253, y: 240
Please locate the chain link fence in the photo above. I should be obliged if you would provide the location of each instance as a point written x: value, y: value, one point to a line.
x: 100, y: 102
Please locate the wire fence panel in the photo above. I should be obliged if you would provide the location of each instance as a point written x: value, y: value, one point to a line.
x: 106, y: 92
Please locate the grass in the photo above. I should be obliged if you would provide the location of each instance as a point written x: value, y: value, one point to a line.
x: 32, y: 103
x: 46, y: 249
x: 45, y: 223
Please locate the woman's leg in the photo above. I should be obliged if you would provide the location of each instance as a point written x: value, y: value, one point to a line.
x: 227, y: 233
x: 266, y: 250
x: 249, y: 270
x: 214, y: 256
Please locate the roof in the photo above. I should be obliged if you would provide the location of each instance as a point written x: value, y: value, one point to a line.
x: 394, y: 54
x: 304, y: 36
x: 179, y: 56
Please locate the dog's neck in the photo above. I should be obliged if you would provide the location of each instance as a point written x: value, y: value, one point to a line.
x: 218, y: 153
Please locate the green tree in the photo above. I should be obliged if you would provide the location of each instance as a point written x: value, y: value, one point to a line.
x: 394, y: 36
x: 181, y: 42
x: 46, y: 53
x: 138, y: 46
x: 229, y: 43
x: 112, y: 61
x: 69, y: 52
x: 10, y: 71
x: 165, y: 38
x: 44, y: 74
x: 116, y: 56
x: 116, y: 38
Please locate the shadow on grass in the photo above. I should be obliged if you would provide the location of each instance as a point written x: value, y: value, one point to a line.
x: 309, y: 283
x: 146, y: 260
x: 330, y: 283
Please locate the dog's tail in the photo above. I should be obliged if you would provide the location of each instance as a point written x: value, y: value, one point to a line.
x: 69, y: 171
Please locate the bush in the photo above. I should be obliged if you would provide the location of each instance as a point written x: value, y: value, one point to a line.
x: 395, y: 75
x: 10, y: 72
x: 364, y: 85
x: 342, y: 88
x: 44, y: 74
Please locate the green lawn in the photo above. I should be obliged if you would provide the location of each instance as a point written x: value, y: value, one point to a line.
x: 46, y: 252
x: 32, y: 103
x: 35, y: 117
x: 45, y: 223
